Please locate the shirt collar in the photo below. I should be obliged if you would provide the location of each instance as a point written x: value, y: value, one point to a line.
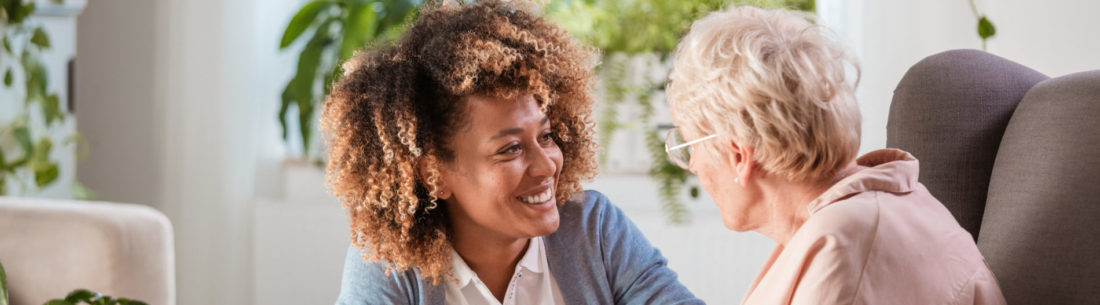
x: 890, y: 170
x: 461, y: 271
x: 534, y: 260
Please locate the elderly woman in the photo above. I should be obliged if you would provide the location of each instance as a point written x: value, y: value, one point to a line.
x: 770, y: 126
x: 458, y: 153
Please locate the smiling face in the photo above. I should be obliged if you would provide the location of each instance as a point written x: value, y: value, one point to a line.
x: 501, y: 182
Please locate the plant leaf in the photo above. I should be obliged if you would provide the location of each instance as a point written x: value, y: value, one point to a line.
x: 79, y: 295
x: 671, y: 179
x: 305, y: 124
x: 52, y: 109
x: 42, y: 150
x: 37, y: 78
x: 58, y: 302
x: 284, y: 106
x: 5, y: 10
x: 3, y: 275
x: 301, y: 86
x: 3, y: 191
x: 396, y: 12
x: 7, y: 45
x: 23, y: 136
x: 46, y: 174
x: 402, y: 15
x: 40, y: 38
x: 7, y: 77
x: 985, y: 28
x: 331, y: 78
x: 125, y: 301
x: 22, y: 11
x: 42, y: 80
x: 300, y: 89
x: 302, y: 20
x: 45, y: 171
x: 359, y: 28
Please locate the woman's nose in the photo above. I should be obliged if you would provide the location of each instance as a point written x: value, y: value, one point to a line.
x: 542, y: 163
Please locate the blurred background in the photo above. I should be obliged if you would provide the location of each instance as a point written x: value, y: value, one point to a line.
x: 206, y: 110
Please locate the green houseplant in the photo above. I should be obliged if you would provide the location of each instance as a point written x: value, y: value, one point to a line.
x: 91, y: 298
x: 332, y: 30
x: 27, y: 138
x: 76, y: 297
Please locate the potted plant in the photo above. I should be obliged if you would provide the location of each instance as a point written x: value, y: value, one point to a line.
x: 76, y: 297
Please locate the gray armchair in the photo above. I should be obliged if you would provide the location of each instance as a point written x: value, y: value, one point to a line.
x: 1015, y: 156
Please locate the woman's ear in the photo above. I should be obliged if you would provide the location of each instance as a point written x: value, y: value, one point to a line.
x: 740, y: 158
x: 423, y: 171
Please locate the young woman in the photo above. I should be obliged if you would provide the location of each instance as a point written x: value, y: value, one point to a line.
x: 458, y: 153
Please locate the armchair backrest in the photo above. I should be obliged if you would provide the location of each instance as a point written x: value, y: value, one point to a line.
x: 949, y: 111
x: 1015, y: 157
x: 51, y: 247
x: 1041, y: 229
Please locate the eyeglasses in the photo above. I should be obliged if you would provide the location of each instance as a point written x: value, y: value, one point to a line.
x: 680, y: 151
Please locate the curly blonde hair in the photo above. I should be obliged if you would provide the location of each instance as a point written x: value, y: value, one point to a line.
x: 397, y: 105
x: 774, y: 81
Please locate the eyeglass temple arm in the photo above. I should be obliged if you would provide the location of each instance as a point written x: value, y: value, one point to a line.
x: 692, y: 142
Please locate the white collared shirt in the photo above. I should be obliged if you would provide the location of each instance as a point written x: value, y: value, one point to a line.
x: 531, y: 284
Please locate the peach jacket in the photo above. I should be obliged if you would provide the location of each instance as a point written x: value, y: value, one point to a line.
x: 877, y: 237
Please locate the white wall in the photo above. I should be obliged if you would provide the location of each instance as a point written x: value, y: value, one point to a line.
x: 181, y: 98
x: 115, y: 98
x: 1052, y: 37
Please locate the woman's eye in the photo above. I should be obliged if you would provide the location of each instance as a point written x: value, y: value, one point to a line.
x: 547, y: 137
x: 510, y: 150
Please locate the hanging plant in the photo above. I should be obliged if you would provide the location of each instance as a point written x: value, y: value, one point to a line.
x: 985, y: 27
x: 25, y: 139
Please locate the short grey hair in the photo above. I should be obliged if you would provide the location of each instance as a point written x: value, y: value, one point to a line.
x: 772, y: 80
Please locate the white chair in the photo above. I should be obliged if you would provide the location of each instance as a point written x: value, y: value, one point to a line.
x: 50, y: 247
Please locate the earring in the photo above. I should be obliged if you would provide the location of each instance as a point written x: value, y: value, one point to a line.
x: 737, y: 180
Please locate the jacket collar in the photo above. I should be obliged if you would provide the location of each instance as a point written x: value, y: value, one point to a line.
x: 888, y: 170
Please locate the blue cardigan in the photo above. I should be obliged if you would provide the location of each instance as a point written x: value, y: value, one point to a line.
x: 597, y: 256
